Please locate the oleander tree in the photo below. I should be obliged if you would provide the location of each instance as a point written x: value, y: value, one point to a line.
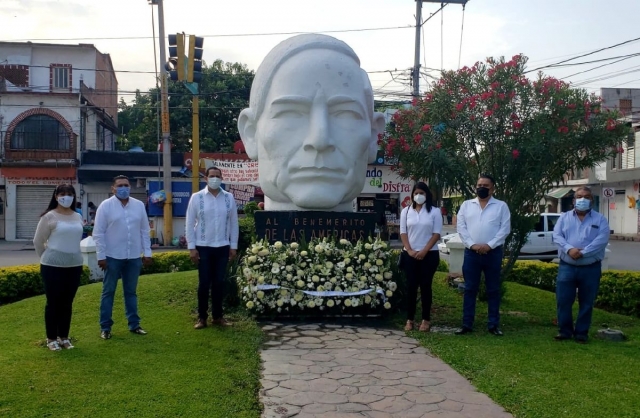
x: 491, y: 118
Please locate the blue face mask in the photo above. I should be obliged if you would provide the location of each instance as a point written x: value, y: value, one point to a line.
x: 122, y: 192
x: 583, y: 204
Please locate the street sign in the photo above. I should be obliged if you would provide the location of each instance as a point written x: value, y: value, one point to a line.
x: 608, y: 192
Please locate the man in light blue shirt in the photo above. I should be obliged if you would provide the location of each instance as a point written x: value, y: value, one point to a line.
x: 582, y: 236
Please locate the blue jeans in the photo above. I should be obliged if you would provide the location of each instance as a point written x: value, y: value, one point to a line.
x: 587, y: 280
x: 129, y: 270
x: 472, y: 268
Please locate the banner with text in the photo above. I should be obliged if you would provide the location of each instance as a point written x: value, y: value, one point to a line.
x: 236, y: 172
x: 242, y: 193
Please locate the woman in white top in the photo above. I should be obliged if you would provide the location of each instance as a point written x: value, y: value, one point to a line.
x: 420, y: 227
x: 57, y: 243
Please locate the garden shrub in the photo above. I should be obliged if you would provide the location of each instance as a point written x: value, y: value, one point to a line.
x: 21, y: 282
x: 619, y: 290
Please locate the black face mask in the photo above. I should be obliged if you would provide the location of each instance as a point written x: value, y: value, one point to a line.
x: 482, y: 192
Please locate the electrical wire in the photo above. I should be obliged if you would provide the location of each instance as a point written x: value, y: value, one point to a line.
x: 442, y: 37
x: 585, y: 55
x: 600, y: 66
x: 461, y: 33
x: 227, y: 35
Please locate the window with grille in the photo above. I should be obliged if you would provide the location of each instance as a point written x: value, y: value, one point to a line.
x: 625, y: 106
x: 40, y: 132
x: 61, y: 77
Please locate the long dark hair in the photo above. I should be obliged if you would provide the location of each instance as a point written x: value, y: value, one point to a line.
x: 61, y: 189
x: 422, y: 186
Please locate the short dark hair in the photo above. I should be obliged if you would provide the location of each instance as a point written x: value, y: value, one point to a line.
x: 206, y: 173
x: 585, y: 188
x: 488, y: 177
x: 120, y: 177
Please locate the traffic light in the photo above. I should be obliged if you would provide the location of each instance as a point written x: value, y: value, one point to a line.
x: 175, y: 64
x: 194, y: 66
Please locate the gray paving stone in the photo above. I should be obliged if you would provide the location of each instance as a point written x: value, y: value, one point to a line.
x: 331, y: 370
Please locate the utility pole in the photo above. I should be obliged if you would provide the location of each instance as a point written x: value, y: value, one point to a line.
x: 166, y: 143
x: 416, y: 60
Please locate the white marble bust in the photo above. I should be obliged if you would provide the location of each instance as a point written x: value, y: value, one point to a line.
x: 311, y: 125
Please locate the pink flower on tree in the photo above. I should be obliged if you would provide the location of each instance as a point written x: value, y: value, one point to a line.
x: 515, y: 153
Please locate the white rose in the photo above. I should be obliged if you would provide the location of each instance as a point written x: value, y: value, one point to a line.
x: 289, y: 268
x: 289, y: 276
x: 255, y: 250
x: 347, y: 260
x: 330, y: 303
x: 367, y: 299
x: 344, y: 242
x: 264, y: 252
x: 315, y: 278
x: 363, y: 278
x: 300, y: 273
x: 279, y: 302
x: 379, y: 262
x: 294, y: 245
x: 300, y: 283
x: 379, y: 277
x: 261, y: 279
x: 387, y: 305
x: 252, y: 259
x: 392, y: 286
x: 389, y: 293
x: 318, y: 301
x: 249, y: 304
x: 294, y: 303
x: 260, y: 294
x: 284, y: 292
x: 367, y: 266
x: 334, y: 280
x: 328, y: 264
x: 367, y: 246
x: 298, y: 297
x: 348, y: 276
x: 303, y: 253
x: 311, y: 304
x: 347, y: 302
x: 247, y: 272
x: 278, y: 245
x: 274, y: 282
x: 388, y: 275
x: 362, y: 256
x: 319, y: 249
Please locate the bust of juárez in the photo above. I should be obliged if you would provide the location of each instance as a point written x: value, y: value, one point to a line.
x: 311, y: 125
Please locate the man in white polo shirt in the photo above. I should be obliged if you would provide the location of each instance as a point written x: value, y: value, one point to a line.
x: 212, y: 238
x: 483, y: 224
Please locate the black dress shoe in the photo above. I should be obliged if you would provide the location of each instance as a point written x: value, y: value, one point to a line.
x: 463, y: 331
x: 139, y: 331
x: 496, y: 331
x: 581, y: 340
x: 105, y: 335
x: 561, y: 337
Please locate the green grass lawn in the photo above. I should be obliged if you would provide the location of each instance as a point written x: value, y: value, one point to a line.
x: 529, y: 373
x: 174, y: 371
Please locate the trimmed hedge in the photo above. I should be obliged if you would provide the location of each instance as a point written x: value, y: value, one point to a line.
x: 619, y: 290
x: 21, y: 282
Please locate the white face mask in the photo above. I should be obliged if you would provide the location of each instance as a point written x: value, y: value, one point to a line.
x: 419, y: 198
x: 214, y: 182
x: 65, y: 201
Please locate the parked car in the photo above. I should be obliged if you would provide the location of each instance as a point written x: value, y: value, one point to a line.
x: 539, y: 244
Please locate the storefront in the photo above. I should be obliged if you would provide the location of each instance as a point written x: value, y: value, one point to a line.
x: 385, y: 194
x: 28, y: 193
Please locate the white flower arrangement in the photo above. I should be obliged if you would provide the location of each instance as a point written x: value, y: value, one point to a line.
x: 322, y: 276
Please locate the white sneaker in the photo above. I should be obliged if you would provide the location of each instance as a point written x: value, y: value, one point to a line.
x: 65, y: 343
x: 53, y: 346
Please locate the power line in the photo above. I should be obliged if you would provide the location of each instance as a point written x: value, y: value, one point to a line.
x: 599, y: 66
x: 227, y: 35
x: 584, y: 55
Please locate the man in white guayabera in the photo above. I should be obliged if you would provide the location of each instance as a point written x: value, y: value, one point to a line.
x: 311, y: 125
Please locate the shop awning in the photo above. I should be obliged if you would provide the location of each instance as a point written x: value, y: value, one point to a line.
x: 560, y: 192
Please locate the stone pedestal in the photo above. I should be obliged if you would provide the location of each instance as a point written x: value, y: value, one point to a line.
x: 90, y: 259
x: 611, y: 334
x: 456, y: 255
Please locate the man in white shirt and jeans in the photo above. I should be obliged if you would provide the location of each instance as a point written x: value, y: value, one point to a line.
x: 212, y: 238
x: 483, y: 224
x: 121, y: 234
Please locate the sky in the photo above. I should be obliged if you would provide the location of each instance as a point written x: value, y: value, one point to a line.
x: 547, y: 31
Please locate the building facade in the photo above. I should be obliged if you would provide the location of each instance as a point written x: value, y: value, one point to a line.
x: 55, y: 102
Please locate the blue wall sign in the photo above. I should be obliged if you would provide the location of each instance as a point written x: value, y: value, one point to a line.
x: 181, y: 193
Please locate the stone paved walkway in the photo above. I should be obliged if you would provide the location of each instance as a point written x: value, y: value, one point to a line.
x: 327, y: 370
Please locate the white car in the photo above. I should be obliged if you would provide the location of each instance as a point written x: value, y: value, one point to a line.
x: 539, y: 244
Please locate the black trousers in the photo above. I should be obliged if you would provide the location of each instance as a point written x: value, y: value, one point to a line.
x: 211, y: 275
x: 420, y: 275
x: 60, y: 287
